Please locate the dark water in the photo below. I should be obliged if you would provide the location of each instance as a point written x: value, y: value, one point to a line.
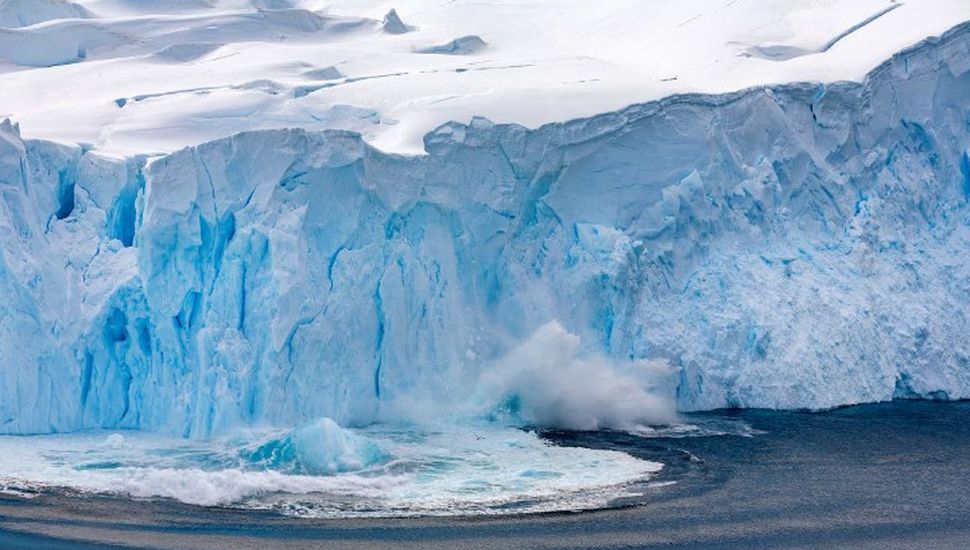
x: 894, y: 475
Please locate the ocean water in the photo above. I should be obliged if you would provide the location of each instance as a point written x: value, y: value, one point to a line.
x: 890, y: 475
x: 379, y: 471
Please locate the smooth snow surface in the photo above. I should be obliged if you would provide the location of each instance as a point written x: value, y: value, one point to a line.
x: 137, y: 77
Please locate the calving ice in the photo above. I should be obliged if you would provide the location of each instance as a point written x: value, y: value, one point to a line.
x: 358, y: 260
x: 787, y: 246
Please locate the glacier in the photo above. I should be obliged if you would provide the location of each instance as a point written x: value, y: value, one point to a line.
x: 788, y: 246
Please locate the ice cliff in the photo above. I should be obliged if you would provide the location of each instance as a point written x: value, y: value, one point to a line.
x: 791, y: 246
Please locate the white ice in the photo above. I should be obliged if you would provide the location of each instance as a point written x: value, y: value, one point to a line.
x: 137, y: 77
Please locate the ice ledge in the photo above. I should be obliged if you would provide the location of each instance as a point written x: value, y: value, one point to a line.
x: 261, y: 64
x: 797, y: 246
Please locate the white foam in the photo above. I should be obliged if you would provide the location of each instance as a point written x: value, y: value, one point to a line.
x: 485, y: 470
x: 709, y: 427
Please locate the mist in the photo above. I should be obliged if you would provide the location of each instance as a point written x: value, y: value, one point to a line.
x: 550, y: 381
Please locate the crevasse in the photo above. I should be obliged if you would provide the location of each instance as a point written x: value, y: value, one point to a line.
x: 790, y: 246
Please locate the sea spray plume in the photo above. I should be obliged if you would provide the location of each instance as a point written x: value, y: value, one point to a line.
x: 549, y: 381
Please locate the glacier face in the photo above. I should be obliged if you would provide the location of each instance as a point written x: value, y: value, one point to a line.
x: 792, y: 246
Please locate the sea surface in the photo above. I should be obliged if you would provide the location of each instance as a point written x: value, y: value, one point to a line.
x: 892, y: 475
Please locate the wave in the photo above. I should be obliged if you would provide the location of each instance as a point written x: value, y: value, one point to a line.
x: 461, y: 470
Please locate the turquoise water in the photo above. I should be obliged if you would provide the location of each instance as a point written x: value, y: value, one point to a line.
x: 323, y: 470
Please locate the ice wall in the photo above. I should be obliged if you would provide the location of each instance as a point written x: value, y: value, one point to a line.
x: 792, y: 246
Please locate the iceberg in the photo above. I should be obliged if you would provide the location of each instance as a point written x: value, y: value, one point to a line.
x: 787, y: 246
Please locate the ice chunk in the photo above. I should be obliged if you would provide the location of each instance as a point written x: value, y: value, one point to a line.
x: 320, y: 447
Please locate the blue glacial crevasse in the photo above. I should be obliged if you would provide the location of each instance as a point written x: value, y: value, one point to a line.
x: 782, y: 247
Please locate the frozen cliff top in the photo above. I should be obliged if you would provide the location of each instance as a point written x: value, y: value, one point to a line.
x: 790, y: 246
x: 129, y: 76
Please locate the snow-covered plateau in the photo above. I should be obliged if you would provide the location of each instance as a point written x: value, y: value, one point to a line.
x: 229, y: 214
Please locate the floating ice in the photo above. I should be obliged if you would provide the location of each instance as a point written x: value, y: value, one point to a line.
x: 320, y: 447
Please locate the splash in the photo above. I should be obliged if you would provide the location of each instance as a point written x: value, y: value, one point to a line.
x: 320, y: 447
x: 485, y: 470
x: 431, y: 456
x: 549, y: 381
